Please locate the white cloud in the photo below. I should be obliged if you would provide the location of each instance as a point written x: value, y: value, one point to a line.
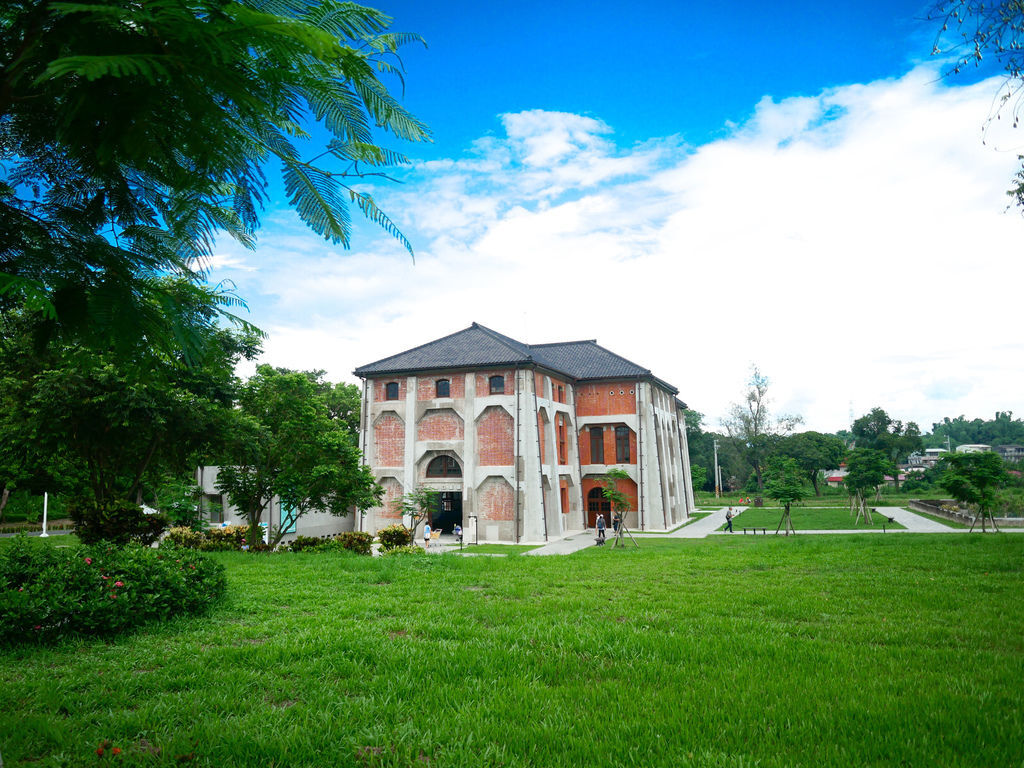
x: 853, y: 244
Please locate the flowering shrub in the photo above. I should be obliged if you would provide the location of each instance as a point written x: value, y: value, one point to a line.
x: 410, y: 549
x: 394, y: 536
x: 47, y: 592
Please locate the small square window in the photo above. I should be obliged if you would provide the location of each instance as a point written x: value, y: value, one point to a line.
x: 443, y: 388
x: 497, y: 385
x: 391, y: 390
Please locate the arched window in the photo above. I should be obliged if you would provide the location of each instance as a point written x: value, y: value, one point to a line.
x: 444, y: 466
x: 443, y: 388
x: 497, y: 385
x: 391, y: 390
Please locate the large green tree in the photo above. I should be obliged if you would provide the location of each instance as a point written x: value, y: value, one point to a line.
x: 286, y: 444
x: 813, y: 452
x: 879, y: 432
x: 132, y: 132
x: 974, y: 478
x: 105, y: 427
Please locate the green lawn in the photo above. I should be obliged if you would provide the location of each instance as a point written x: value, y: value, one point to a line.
x: 499, y: 549
x: 807, y: 519
x: 943, y: 520
x: 731, y: 651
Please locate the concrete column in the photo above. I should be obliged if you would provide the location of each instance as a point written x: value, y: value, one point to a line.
x: 469, y: 449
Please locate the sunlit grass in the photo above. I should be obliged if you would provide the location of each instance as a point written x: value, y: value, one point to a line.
x: 808, y: 519
x: 815, y: 651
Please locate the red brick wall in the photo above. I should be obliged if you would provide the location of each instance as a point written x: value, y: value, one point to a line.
x: 604, y: 399
x: 442, y: 424
x: 380, y: 384
x: 555, y: 384
x: 426, y: 386
x: 496, y: 500
x: 627, y: 486
x: 495, y: 438
x: 389, y: 439
x: 609, y: 444
x: 392, y: 492
x: 563, y: 489
x: 483, y: 387
x: 543, y: 434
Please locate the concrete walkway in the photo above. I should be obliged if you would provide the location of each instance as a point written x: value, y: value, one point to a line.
x: 574, y: 541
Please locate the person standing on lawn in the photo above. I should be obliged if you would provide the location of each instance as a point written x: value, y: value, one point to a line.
x: 728, y: 520
x: 600, y: 529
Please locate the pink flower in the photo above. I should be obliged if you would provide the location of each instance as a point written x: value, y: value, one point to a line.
x: 105, y: 578
x: 38, y: 626
x: 113, y: 596
x: 21, y: 589
x: 88, y: 561
x: 118, y: 583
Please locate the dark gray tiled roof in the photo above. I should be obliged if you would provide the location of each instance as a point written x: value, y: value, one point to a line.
x: 585, y: 360
x: 478, y: 346
x: 474, y: 346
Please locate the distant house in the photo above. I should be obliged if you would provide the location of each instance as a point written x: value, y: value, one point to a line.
x: 973, y: 448
x: 1011, y: 453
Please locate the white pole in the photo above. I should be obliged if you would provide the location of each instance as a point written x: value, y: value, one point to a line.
x: 46, y: 499
x: 718, y: 477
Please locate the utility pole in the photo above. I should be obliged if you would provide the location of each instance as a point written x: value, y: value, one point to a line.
x: 718, y: 474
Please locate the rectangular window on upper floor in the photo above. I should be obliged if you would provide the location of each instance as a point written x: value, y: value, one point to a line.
x: 597, y: 445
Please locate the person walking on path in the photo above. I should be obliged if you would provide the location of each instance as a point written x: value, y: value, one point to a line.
x: 728, y: 520
x: 600, y: 529
x: 426, y: 536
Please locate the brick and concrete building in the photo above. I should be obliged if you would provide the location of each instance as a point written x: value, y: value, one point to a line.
x: 517, y: 438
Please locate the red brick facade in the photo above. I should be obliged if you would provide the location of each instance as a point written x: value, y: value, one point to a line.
x: 495, y: 438
x: 496, y: 500
x: 609, y: 445
x: 605, y: 399
x: 426, y: 386
x: 392, y: 492
x: 483, y: 382
x: 389, y: 440
x: 380, y: 388
x: 443, y: 424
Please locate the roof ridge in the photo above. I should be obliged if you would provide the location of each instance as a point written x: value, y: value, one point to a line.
x: 506, y: 340
x: 563, y: 343
x: 625, y: 359
x: 414, y: 349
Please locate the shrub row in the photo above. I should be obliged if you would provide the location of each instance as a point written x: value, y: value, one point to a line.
x: 49, y: 592
x: 359, y: 542
x: 226, y: 539
x: 233, y: 537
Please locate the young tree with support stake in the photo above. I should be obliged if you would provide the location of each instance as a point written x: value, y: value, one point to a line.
x: 619, y: 502
x: 785, y: 484
x: 973, y: 478
x: 866, y: 470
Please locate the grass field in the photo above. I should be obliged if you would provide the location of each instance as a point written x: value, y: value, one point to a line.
x: 943, y: 520
x: 807, y: 519
x: 499, y: 549
x: 814, y: 651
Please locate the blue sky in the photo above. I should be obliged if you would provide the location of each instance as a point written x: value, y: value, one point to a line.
x: 794, y: 187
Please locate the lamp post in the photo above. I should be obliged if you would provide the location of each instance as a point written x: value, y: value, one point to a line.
x: 46, y: 500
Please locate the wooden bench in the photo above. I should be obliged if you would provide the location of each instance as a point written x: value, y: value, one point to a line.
x: 755, y: 530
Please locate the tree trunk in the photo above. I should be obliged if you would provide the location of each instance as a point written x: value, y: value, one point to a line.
x: 3, y: 501
x: 814, y: 482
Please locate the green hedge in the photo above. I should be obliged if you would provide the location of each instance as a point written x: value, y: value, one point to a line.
x: 394, y: 536
x: 47, y: 592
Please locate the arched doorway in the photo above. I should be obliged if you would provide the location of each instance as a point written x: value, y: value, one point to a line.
x: 448, y: 512
x: 597, y: 504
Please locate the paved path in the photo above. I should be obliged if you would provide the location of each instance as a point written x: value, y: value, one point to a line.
x: 574, y: 541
